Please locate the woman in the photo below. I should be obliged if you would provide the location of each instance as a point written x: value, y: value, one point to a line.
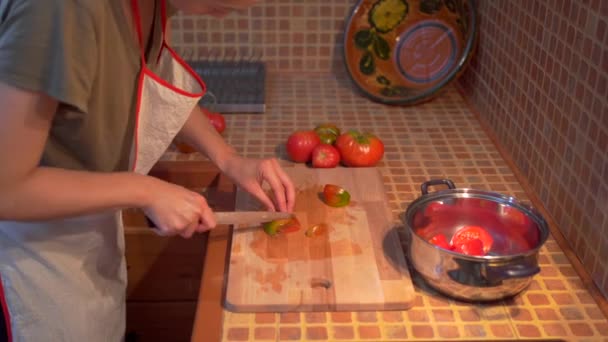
x: 91, y: 97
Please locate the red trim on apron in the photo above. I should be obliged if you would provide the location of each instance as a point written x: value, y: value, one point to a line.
x: 140, y: 89
x: 5, y: 313
x: 137, y: 18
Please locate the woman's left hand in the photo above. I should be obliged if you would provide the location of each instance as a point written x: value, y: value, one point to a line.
x: 250, y: 174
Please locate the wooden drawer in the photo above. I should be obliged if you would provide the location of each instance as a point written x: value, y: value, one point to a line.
x: 167, y: 322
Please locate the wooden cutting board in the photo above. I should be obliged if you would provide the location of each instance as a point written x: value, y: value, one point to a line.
x: 358, y: 264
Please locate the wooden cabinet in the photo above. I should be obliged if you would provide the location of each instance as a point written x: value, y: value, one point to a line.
x: 164, y: 273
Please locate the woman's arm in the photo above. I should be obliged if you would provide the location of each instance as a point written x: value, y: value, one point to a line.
x: 246, y: 172
x: 30, y: 192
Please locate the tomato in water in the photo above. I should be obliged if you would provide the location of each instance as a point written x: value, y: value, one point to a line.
x: 441, y: 241
x: 470, y: 247
x: 468, y: 233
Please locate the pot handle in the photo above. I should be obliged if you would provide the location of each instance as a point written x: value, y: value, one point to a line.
x: 425, y: 186
x: 523, y: 270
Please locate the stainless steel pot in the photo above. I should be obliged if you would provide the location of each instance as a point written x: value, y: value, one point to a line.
x: 517, y: 229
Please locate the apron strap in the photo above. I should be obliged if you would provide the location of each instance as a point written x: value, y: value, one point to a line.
x: 137, y: 19
x: 163, y: 15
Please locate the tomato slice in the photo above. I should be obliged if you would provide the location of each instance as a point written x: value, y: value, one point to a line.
x: 316, y: 230
x: 335, y: 196
x: 441, y: 241
x: 275, y: 227
x: 468, y: 233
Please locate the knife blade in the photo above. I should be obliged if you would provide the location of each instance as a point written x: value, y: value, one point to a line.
x: 239, y: 218
x: 249, y: 217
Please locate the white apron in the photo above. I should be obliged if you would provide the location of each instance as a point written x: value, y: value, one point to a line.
x: 65, y: 280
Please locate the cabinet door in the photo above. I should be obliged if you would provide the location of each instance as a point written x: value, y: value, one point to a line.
x: 166, y: 322
x: 163, y: 268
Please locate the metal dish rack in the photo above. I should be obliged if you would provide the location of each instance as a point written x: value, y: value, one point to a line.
x: 234, y: 85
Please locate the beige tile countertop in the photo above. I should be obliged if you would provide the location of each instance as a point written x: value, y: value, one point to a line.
x: 442, y: 138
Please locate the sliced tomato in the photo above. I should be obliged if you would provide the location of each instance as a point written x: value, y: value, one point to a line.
x: 441, y: 241
x: 468, y: 233
x: 275, y: 227
x: 316, y: 230
x: 335, y: 196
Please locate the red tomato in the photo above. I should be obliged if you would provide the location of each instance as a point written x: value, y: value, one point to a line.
x: 335, y: 196
x: 325, y: 156
x: 467, y: 233
x: 359, y: 149
x: 441, y: 241
x: 515, y: 216
x: 470, y: 247
x: 217, y: 120
x: 433, y: 208
x: 420, y: 221
x: 300, y: 145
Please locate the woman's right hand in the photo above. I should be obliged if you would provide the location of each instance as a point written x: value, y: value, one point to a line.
x: 176, y: 210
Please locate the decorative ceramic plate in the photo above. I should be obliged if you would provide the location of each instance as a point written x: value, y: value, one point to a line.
x: 405, y: 51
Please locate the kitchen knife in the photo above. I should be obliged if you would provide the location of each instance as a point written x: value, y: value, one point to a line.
x: 242, y: 217
x: 249, y: 217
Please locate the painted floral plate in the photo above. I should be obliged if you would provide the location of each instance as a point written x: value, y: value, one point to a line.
x: 405, y: 51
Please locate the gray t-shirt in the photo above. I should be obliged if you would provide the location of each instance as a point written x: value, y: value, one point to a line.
x: 84, y: 54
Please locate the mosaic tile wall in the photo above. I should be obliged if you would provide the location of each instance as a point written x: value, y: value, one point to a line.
x: 290, y: 35
x: 540, y: 80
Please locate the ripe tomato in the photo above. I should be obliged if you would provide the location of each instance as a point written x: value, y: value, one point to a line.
x: 359, y: 149
x: 300, y: 145
x: 335, y: 196
x: 328, y: 132
x: 465, y: 234
x: 433, y: 208
x: 441, y: 241
x: 325, y: 156
x: 327, y: 128
x: 515, y: 216
x: 217, y: 120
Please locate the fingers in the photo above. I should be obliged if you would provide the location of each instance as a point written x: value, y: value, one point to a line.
x: 207, y: 220
x: 270, y: 175
x: 290, y: 192
x: 187, y: 217
x: 282, y: 187
x: 258, y: 193
x: 189, y: 230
